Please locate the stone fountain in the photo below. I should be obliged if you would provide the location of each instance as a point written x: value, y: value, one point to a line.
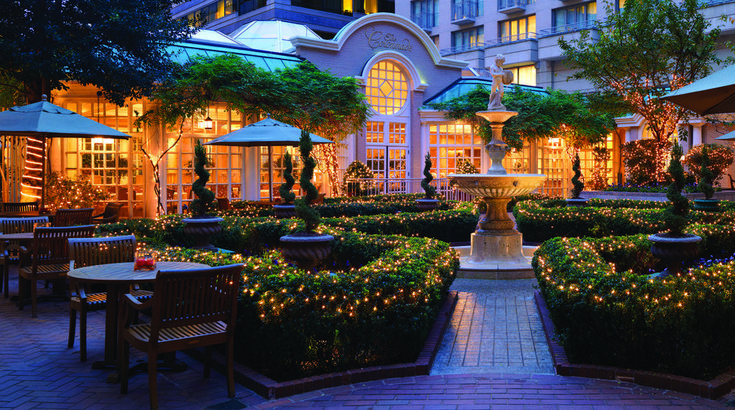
x: 496, y: 250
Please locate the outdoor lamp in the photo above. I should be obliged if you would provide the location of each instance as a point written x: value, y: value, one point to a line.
x: 208, y: 123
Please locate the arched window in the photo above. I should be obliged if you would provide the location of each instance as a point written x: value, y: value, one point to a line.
x: 387, y: 88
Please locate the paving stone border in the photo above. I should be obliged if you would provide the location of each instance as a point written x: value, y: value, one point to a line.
x: 710, y: 389
x: 271, y: 389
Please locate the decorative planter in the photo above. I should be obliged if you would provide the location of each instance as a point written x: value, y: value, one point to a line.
x: 576, y: 202
x: 306, y: 249
x: 425, y: 204
x: 202, y: 228
x: 284, y: 211
x: 707, y: 205
x: 674, y: 250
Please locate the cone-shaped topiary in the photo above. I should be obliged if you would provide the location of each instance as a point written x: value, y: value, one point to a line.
x: 304, y: 211
x: 425, y: 183
x: 203, y: 202
x: 707, y: 177
x: 675, y: 216
x: 576, y: 180
x: 285, y: 189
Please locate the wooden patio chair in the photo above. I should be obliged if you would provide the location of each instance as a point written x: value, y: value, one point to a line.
x: 10, y: 250
x: 111, y: 214
x: 73, y: 217
x: 49, y: 259
x: 20, y: 206
x: 190, y: 308
x: 95, y: 251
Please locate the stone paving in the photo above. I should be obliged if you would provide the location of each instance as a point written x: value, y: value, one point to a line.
x: 492, y: 357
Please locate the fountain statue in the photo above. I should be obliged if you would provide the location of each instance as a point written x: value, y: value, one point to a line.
x: 496, y: 250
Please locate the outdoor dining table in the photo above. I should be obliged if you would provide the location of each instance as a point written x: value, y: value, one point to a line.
x: 118, y: 277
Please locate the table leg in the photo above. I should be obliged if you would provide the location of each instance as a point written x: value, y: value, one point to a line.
x: 111, y: 324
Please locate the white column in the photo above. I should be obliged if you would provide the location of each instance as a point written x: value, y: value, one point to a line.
x: 628, y: 135
x: 696, y: 134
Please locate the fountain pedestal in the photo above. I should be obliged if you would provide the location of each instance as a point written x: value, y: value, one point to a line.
x: 496, y: 250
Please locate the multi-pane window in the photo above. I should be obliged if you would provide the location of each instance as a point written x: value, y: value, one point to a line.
x: 466, y: 9
x: 425, y: 13
x: 387, y: 88
x: 276, y: 161
x: 213, y: 11
x: 525, y: 75
x: 573, y: 18
x: 517, y: 29
x: 468, y: 39
x: 505, y: 4
x: 450, y: 144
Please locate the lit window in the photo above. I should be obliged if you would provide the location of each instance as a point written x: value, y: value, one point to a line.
x: 577, y: 17
x: 467, y: 39
x: 387, y: 88
x: 525, y: 75
x: 517, y: 29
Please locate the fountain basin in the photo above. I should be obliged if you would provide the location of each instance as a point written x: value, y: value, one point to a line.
x: 497, y: 186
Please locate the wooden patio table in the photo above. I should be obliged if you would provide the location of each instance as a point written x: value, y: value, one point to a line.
x: 118, y: 277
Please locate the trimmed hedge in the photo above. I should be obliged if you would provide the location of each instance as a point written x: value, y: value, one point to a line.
x: 543, y: 220
x: 607, y: 312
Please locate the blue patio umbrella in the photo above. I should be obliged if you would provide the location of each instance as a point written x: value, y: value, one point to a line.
x: 45, y: 120
x: 267, y: 132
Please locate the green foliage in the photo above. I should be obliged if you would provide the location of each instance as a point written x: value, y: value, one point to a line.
x: 540, y: 116
x: 465, y: 166
x: 644, y: 50
x: 63, y: 192
x: 675, y: 215
x: 720, y: 158
x: 357, y: 170
x: 576, y: 181
x: 707, y: 177
x: 607, y: 312
x: 47, y: 44
x: 203, y: 202
x: 429, y: 190
x: 304, y: 210
x: 599, y: 170
x: 285, y: 189
x: 640, y: 162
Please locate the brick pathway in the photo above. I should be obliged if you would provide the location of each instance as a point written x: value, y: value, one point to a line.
x: 38, y: 371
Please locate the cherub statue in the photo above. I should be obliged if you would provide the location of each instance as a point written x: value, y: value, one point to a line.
x: 496, y: 92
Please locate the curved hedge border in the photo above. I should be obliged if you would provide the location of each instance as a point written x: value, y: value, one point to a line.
x: 542, y: 220
x: 607, y: 312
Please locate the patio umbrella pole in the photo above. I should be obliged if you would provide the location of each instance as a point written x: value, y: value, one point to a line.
x: 43, y: 175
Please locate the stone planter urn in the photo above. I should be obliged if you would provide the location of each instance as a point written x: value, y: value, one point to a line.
x: 425, y: 204
x: 674, y: 250
x: 201, y: 229
x: 306, y: 249
x: 707, y: 205
x: 284, y: 211
x: 576, y: 202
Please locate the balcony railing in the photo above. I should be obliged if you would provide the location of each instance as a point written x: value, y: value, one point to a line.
x: 516, y: 37
x: 512, y: 6
x: 568, y: 28
x: 462, y: 48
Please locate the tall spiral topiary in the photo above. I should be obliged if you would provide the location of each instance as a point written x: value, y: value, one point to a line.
x: 304, y: 211
x: 576, y: 180
x: 285, y: 189
x: 425, y: 183
x: 707, y: 177
x: 203, y: 202
x: 675, y: 216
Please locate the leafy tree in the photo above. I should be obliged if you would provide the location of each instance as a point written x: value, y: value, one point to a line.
x: 118, y: 46
x: 645, y: 50
x: 719, y: 157
x: 540, y: 116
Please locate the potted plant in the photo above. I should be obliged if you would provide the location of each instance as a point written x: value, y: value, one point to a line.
x: 428, y: 202
x: 704, y: 185
x: 307, y: 248
x: 577, y: 184
x: 287, y: 209
x: 201, y: 226
x: 675, y: 246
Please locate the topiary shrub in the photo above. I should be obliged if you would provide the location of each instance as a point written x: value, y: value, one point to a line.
x: 675, y: 215
x: 429, y: 189
x: 202, y: 204
x: 304, y: 210
x: 576, y: 180
x: 707, y: 176
x: 285, y: 189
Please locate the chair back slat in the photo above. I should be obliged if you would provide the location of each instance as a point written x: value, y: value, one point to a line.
x: 19, y: 225
x: 99, y: 251
x: 51, y: 245
x: 190, y: 297
x: 73, y: 217
x: 20, y: 206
